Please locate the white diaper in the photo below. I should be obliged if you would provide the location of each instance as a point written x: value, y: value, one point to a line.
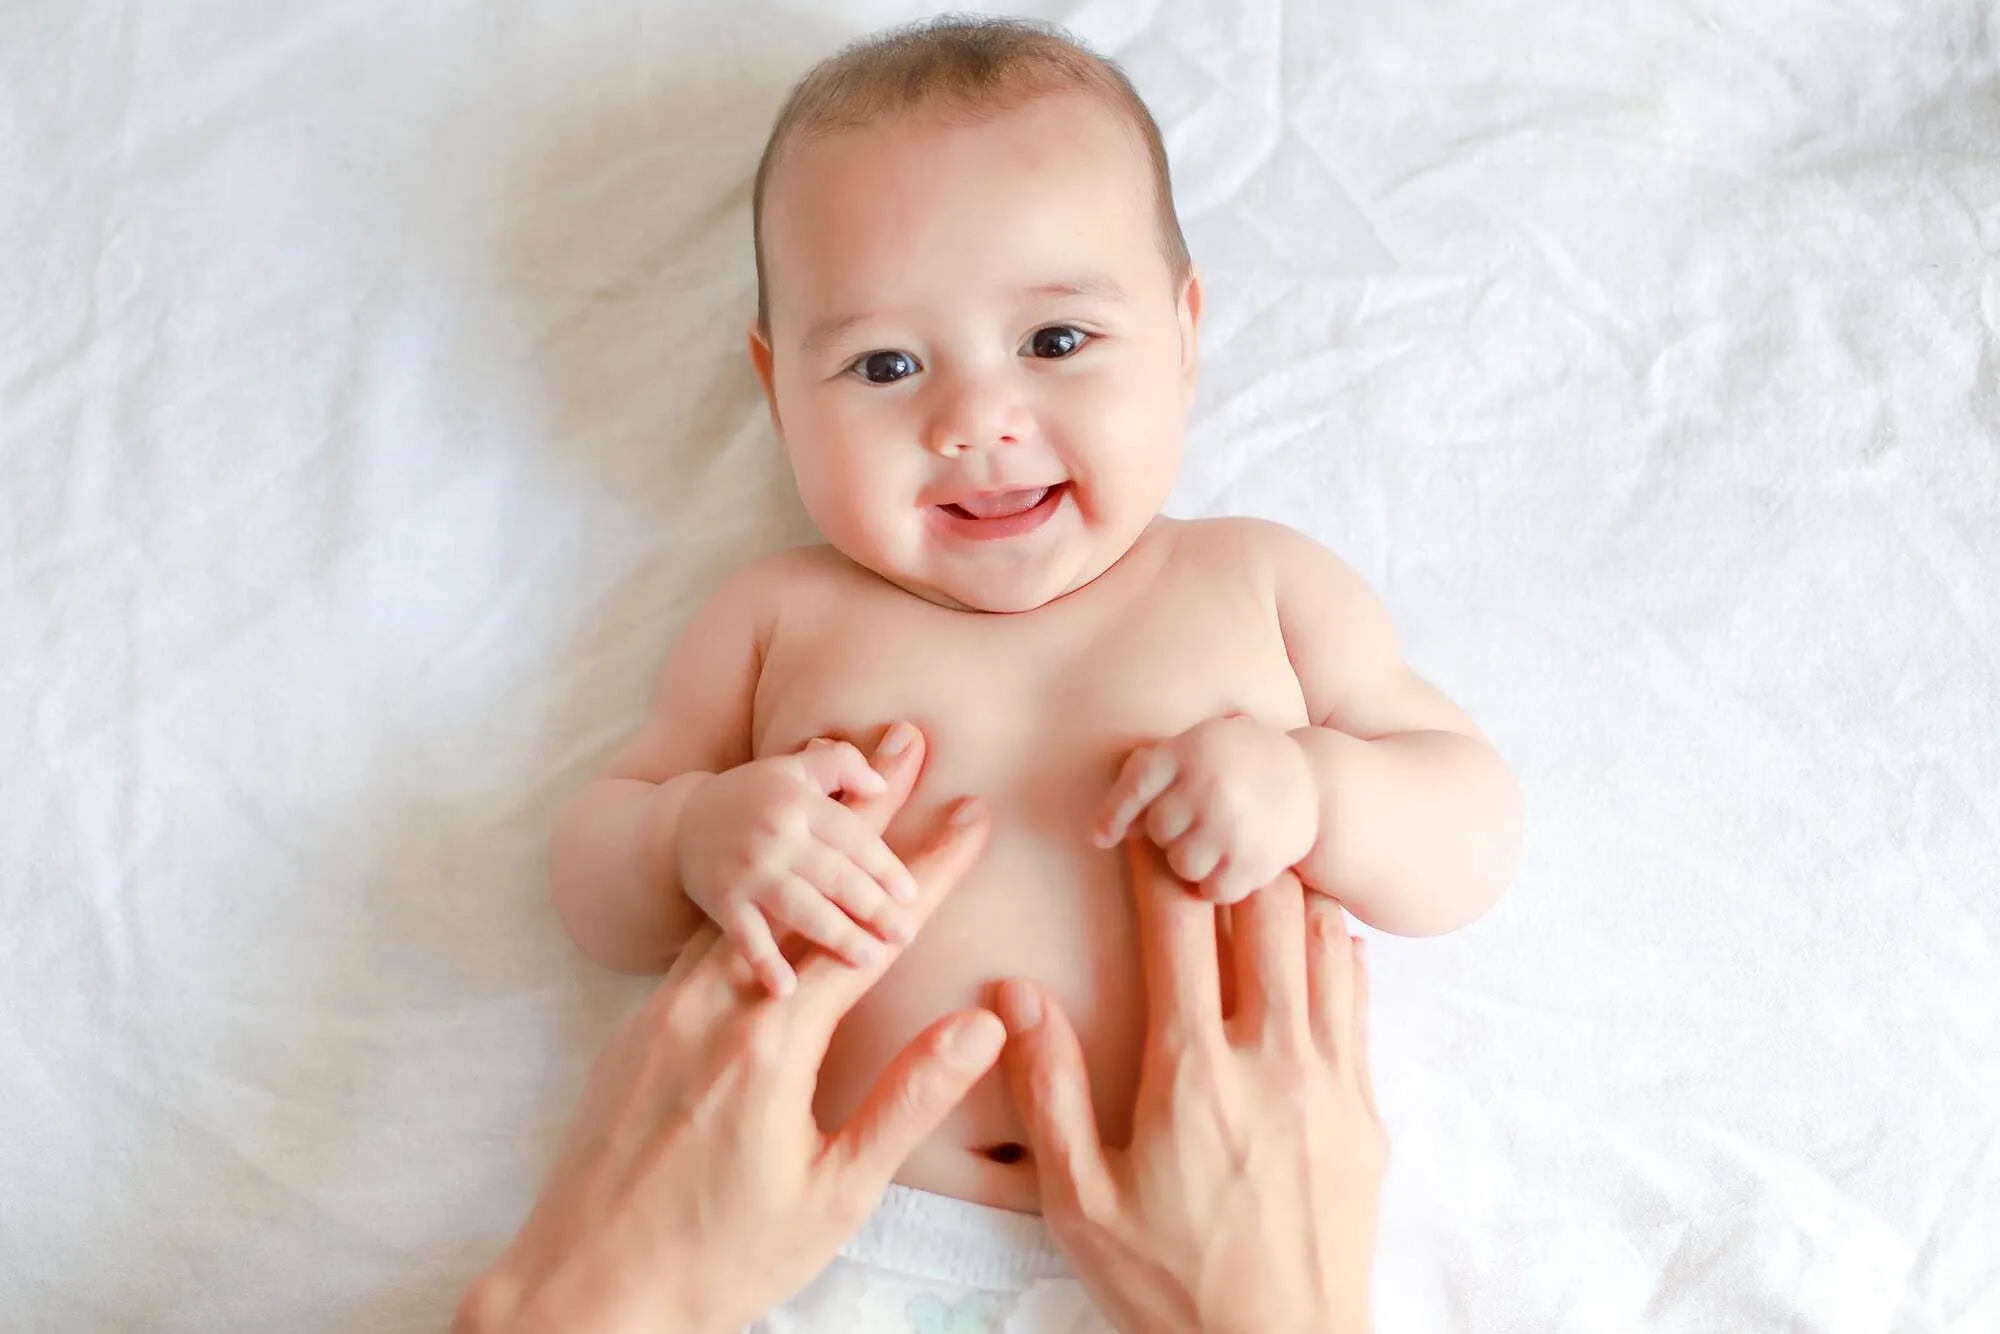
x: 929, y: 1264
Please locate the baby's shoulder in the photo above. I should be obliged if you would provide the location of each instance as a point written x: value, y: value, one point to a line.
x: 1242, y: 546
x: 777, y: 577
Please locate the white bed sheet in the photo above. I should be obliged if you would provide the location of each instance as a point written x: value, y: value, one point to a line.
x: 372, y: 406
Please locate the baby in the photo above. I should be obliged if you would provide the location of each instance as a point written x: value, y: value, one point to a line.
x: 976, y: 330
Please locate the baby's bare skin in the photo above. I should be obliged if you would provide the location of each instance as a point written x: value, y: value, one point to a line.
x: 980, y: 365
x: 1034, y: 712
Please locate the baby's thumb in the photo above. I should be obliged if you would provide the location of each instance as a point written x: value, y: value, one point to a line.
x: 1051, y: 1088
x: 914, y: 1095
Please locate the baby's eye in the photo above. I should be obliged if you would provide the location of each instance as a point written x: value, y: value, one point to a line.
x: 1056, y: 342
x: 886, y: 367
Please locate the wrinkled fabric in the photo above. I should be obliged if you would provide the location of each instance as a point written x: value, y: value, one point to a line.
x: 373, y: 408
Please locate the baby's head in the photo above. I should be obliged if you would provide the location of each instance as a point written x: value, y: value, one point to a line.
x: 976, y: 315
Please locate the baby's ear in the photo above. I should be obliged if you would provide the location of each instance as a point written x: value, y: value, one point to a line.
x: 760, y: 361
x: 1190, y: 321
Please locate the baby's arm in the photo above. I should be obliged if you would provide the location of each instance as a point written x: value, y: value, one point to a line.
x: 612, y: 863
x: 1420, y: 820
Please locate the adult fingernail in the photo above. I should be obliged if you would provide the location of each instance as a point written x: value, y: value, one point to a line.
x: 895, y: 741
x: 972, y: 1044
x: 966, y: 812
x: 1020, y: 1007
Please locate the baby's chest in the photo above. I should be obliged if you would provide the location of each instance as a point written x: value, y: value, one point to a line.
x: 1043, y: 703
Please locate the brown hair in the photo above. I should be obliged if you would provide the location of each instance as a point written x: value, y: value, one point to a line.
x: 972, y: 64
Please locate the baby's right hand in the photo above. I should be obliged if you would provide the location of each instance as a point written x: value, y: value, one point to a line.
x: 768, y: 849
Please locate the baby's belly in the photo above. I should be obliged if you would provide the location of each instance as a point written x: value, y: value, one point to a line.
x: 1044, y: 904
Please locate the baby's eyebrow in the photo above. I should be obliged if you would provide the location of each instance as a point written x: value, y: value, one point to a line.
x: 827, y: 332
x: 1099, y: 286
x: 1096, y: 285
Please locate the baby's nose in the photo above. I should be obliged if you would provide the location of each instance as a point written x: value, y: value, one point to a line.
x: 973, y: 415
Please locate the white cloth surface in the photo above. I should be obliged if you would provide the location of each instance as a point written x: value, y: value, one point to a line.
x: 373, y: 406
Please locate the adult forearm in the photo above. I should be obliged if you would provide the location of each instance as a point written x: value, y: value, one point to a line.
x: 1418, y: 830
x: 612, y: 871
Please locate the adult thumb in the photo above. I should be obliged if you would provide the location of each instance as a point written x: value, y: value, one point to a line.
x: 1051, y: 1088
x: 835, y: 767
x: 913, y: 1096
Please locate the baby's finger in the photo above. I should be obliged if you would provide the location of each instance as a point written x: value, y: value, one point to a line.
x: 1148, y: 772
x: 799, y: 906
x: 750, y: 933
x: 1196, y: 855
x: 834, y: 767
x: 850, y: 889
x: 1169, y: 818
x: 849, y: 834
x: 1232, y: 881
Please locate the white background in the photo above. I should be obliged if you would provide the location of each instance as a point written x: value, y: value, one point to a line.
x: 373, y: 407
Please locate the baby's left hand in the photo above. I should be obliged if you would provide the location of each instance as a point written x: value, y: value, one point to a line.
x: 1232, y: 802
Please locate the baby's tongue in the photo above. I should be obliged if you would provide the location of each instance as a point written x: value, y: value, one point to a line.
x: 1005, y: 504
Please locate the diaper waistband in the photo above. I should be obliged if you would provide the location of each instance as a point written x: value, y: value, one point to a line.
x: 940, y: 1239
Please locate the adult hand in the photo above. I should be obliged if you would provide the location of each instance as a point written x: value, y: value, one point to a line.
x: 694, y: 1190
x: 1247, y: 1200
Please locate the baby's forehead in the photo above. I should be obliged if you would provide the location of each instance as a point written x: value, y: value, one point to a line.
x: 944, y: 114
x: 935, y: 130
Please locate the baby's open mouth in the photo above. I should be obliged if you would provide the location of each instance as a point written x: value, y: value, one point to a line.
x: 1004, y: 505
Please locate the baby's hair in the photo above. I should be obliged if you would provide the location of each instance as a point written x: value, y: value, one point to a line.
x: 970, y: 65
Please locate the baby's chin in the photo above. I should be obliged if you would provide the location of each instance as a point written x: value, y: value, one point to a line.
x: 1016, y: 592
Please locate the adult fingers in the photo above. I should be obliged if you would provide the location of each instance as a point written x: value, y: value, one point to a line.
x: 705, y: 939
x: 834, y: 767
x: 1051, y: 1088
x: 1329, y: 977
x: 1176, y: 948
x: 912, y: 1097
x: 1147, y: 772
x: 899, y: 759
x: 848, y: 833
x: 1364, y: 1066
x: 1268, y: 944
x: 828, y: 987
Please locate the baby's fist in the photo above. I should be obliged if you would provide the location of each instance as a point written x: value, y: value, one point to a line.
x: 770, y: 849
x: 1232, y: 802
